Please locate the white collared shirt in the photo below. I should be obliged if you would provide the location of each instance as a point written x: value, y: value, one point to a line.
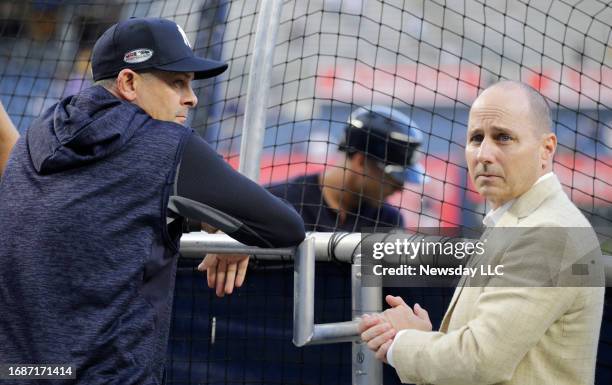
x: 494, y: 215
x: 490, y: 220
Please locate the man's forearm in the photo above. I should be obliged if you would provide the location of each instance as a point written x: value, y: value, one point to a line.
x: 8, y: 137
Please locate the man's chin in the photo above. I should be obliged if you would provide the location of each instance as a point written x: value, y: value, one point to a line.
x: 490, y: 193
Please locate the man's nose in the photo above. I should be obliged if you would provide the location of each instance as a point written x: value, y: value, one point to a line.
x: 486, y: 151
x: 190, y: 99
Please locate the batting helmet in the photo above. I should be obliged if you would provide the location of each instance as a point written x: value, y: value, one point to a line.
x: 388, y: 136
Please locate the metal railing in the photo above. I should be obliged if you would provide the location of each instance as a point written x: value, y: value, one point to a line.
x: 366, y: 369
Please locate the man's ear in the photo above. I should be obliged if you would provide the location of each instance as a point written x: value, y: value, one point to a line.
x: 548, y: 148
x: 358, y: 162
x: 126, y: 84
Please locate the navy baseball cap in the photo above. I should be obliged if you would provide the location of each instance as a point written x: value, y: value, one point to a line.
x: 388, y: 136
x: 148, y: 42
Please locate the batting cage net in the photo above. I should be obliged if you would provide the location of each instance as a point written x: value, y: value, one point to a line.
x: 424, y: 61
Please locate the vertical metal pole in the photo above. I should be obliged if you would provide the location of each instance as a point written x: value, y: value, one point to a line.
x: 303, y: 292
x: 254, y: 123
x: 367, y: 370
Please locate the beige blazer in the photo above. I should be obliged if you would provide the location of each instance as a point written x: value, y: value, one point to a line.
x: 513, y: 335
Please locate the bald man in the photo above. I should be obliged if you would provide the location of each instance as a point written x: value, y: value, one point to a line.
x: 8, y: 137
x: 503, y: 331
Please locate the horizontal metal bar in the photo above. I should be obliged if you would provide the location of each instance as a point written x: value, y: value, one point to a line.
x: 194, y: 245
x: 330, y: 333
x: 343, y: 245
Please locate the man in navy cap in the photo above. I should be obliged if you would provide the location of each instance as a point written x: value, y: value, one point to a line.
x: 92, y: 204
x: 380, y: 144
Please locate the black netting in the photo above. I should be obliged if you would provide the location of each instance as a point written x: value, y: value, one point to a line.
x: 426, y: 59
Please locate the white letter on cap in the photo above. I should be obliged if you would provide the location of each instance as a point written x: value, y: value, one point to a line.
x: 184, y: 36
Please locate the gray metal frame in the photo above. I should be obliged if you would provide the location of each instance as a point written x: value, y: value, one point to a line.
x: 366, y: 368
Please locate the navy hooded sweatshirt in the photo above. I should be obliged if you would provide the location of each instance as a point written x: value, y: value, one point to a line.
x: 87, y: 261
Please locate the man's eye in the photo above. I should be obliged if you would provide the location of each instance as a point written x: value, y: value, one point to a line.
x: 504, y: 137
x: 179, y: 83
x: 476, y: 138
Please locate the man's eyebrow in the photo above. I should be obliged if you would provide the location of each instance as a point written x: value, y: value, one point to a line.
x: 495, y: 129
x: 504, y: 130
x: 185, y: 75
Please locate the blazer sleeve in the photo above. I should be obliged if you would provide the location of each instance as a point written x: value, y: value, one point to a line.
x: 508, y: 322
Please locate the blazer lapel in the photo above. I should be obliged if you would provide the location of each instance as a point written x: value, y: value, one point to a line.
x: 449, y: 311
x: 459, y: 289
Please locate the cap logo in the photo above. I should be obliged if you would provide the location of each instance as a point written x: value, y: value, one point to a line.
x: 184, y: 36
x: 400, y: 136
x: 357, y: 123
x: 138, y: 55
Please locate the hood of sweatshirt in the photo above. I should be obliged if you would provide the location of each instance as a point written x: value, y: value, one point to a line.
x: 82, y: 129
